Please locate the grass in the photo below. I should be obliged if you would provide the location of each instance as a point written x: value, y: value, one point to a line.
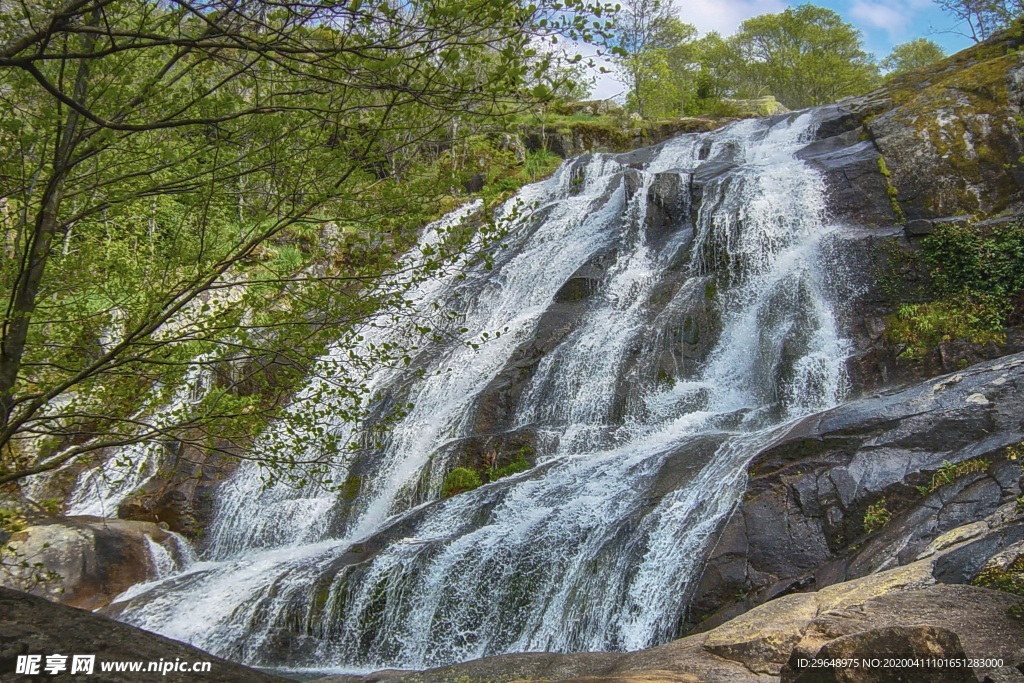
x: 923, y: 327
x: 876, y: 517
x: 948, y: 473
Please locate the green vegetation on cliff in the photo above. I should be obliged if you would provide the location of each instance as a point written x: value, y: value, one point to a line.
x: 976, y: 279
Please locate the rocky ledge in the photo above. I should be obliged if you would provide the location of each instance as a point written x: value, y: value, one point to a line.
x: 30, y: 625
x: 87, y: 561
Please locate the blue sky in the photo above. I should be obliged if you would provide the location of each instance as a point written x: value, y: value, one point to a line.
x: 884, y: 23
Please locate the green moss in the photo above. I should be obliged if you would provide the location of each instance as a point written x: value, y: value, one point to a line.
x: 710, y: 290
x: 460, y: 480
x: 1016, y: 452
x: 1009, y: 579
x: 973, y: 85
x: 876, y: 517
x: 520, y: 463
x: 691, y: 331
x: 891, y: 190
x: 948, y: 473
x: 350, y: 489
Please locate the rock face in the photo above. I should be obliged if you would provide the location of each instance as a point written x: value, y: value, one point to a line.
x: 31, y: 625
x: 934, y: 457
x: 934, y: 143
x: 87, y: 561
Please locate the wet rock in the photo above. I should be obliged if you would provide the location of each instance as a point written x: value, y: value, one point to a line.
x: 667, y: 203
x: 857, y: 188
x: 181, y: 495
x: 802, y: 524
x: 918, y: 228
x: 85, y: 561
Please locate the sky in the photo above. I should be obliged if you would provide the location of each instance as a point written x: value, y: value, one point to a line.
x: 884, y: 23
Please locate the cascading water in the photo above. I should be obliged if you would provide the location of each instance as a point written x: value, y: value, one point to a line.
x: 637, y: 466
x: 100, y: 490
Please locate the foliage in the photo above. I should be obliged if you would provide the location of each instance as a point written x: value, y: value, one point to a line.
x: 922, y: 327
x: 948, y: 473
x: 876, y: 517
x: 539, y: 164
x: 460, y: 480
x: 1009, y: 579
x: 18, y: 569
x: 804, y: 56
x: 976, y: 275
x: 192, y: 186
x: 643, y: 30
x: 968, y: 261
x: 916, y: 54
x: 518, y: 464
x: 11, y: 521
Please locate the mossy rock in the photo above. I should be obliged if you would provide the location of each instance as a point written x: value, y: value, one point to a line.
x: 950, y: 141
x: 460, y: 480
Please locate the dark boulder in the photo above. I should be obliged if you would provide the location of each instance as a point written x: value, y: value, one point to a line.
x: 30, y: 625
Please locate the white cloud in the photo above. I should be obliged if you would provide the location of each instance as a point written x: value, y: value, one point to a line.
x: 725, y: 16
x: 893, y: 18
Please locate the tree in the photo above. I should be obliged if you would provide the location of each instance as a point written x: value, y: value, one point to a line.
x: 664, y: 73
x: 804, y: 56
x: 982, y: 18
x: 643, y: 27
x: 159, y: 160
x: 915, y: 54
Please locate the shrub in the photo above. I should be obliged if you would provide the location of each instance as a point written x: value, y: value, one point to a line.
x: 519, y: 464
x: 948, y: 473
x: 460, y: 480
x: 974, y: 275
x: 876, y: 517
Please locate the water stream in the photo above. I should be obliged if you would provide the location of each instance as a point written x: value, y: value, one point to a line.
x: 638, y: 463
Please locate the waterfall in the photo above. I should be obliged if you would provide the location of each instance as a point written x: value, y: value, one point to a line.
x: 640, y: 450
x: 124, y: 470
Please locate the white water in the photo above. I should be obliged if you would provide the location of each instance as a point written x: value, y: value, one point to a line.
x: 99, y: 490
x: 596, y: 548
